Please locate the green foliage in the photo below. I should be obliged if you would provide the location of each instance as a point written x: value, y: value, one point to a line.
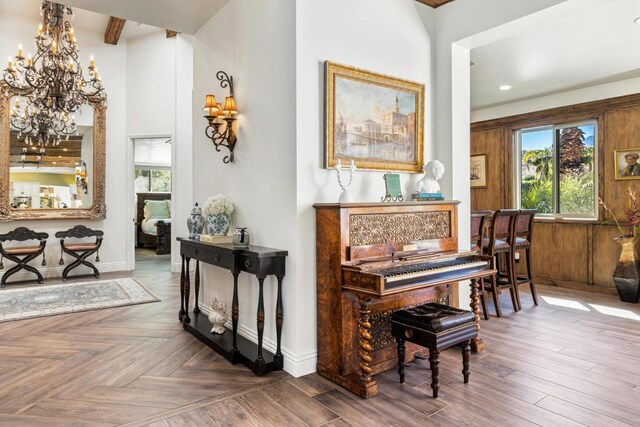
x: 577, y: 194
x: 538, y: 195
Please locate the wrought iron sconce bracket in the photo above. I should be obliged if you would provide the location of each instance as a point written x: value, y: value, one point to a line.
x: 221, y: 133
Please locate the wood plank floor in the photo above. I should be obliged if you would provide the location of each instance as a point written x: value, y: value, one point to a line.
x: 573, y: 360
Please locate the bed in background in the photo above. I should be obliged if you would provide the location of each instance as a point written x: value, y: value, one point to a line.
x: 154, y: 228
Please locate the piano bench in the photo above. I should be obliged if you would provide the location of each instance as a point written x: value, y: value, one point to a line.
x: 436, y: 327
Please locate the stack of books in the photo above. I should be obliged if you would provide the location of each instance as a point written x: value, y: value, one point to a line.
x: 421, y: 197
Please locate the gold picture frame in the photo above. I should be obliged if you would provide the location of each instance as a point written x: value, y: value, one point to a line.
x: 478, y: 171
x: 374, y: 119
x: 626, y: 168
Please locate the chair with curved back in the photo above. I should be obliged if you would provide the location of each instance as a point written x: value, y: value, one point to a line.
x: 478, y: 220
x: 22, y: 255
x: 500, y: 241
x: 80, y: 250
x: 522, y: 241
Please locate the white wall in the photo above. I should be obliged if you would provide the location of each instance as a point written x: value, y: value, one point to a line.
x: 111, y: 61
x: 253, y: 40
x: 383, y: 36
x: 572, y: 97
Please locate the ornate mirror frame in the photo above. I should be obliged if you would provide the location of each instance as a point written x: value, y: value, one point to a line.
x: 98, y: 209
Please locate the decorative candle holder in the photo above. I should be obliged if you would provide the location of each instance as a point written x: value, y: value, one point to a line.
x: 345, y: 196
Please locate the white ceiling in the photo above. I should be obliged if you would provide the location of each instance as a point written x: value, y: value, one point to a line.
x: 82, y: 19
x: 185, y: 16
x: 596, y: 46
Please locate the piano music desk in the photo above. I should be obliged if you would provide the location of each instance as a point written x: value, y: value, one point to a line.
x: 256, y: 260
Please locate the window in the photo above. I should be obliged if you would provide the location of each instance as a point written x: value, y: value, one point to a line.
x: 153, y: 180
x: 556, y: 169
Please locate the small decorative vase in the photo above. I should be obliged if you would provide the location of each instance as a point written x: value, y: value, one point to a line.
x: 195, y: 222
x: 241, y: 237
x: 218, y: 224
x: 218, y: 316
x: 627, y: 274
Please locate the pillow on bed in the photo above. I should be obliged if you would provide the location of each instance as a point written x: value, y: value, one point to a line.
x: 156, y: 209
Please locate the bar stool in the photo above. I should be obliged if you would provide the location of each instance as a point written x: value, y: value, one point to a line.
x: 478, y: 219
x: 80, y: 251
x: 500, y: 241
x: 522, y: 241
x: 437, y: 327
x: 22, y: 255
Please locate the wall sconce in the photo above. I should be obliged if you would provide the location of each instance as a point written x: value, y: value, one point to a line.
x: 221, y: 133
x: 82, y: 180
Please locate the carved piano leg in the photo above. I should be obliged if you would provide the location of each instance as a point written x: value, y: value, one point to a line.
x: 196, y: 285
x: 235, y: 315
x: 477, y: 345
x: 277, y: 358
x: 260, y: 363
x: 364, y: 344
x: 187, y: 292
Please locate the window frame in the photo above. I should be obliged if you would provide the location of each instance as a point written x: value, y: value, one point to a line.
x: 555, y: 127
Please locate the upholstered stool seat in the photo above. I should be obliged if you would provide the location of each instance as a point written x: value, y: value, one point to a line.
x: 436, y: 327
x: 22, y: 255
x: 499, y: 244
x: 81, y: 247
x: 23, y: 250
x: 521, y: 243
x: 80, y: 251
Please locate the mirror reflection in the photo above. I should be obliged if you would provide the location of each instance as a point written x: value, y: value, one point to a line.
x: 54, y: 175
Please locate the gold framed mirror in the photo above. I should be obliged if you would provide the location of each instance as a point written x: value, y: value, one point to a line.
x: 62, y: 182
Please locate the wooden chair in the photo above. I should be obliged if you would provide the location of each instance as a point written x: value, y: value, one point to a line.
x: 478, y: 220
x: 437, y: 327
x: 500, y: 241
x: 522, y: 241
x: 22, y: 255
x: 80, y: 251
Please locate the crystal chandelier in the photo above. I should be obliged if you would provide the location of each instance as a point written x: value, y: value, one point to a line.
x: 51, y: 83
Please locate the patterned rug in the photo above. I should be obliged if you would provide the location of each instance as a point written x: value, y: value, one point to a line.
x: 40, y: 301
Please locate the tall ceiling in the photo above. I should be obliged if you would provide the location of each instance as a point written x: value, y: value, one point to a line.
x: 595, y: 46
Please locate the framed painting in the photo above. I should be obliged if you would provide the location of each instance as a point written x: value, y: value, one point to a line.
x: 627, y: 165
x: 373, y: 119
x: 478, y: 171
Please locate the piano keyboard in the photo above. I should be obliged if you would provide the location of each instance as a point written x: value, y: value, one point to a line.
x: 394, y: 275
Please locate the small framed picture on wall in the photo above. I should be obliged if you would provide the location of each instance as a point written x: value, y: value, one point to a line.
x: 627, y: 164
x: 479, y: 171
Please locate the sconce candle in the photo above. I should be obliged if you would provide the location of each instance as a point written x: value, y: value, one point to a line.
x: 222, y: 133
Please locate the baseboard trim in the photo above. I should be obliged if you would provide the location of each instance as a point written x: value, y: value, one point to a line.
x: 56, y: 272
x: 295, y: 364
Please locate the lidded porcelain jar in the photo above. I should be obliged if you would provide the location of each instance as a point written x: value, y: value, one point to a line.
x: 195, y: 222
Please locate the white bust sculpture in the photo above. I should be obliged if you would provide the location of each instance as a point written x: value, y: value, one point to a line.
x: 433, y: 171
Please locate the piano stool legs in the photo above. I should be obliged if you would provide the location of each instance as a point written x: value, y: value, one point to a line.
x: 434, y: 364
x: 402, y: 357
x: 466, y: 350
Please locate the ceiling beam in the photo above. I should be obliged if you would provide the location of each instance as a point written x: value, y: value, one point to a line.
x: 171, y: 34
x: 114, y: 29
x: 434, y: 3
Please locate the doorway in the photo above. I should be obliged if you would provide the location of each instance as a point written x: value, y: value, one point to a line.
x: 151, y: 202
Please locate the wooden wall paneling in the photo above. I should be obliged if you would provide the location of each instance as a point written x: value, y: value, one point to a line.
x: 605, y: 256
x: 507, y: 170
x: 490, y: 143
x: 114, y: 29
x: 622, y: 131
x: 560, y: 252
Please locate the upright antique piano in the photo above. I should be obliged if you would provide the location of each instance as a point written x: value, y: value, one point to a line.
x: 373, y: 259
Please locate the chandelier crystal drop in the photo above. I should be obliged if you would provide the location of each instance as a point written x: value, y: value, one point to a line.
x: 52, y: 81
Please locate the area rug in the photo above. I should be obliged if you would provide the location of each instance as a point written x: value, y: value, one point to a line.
x: 40, y: 301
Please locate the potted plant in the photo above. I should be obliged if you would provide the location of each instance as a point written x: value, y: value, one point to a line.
x: 218, y: 209
x: 627, y: 273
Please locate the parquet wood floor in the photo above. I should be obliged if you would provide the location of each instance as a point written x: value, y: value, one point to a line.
x: 573, y: 360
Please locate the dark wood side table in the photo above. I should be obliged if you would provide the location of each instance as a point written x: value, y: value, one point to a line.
x: 257, y: 260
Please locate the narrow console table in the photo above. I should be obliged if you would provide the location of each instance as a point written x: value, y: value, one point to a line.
x: 256, y: 260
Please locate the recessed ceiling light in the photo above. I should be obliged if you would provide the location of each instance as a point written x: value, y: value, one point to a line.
x: 637, y: 20
x: 504, y: 87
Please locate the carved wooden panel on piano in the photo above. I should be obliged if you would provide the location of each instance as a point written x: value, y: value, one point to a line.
x: 378, y: 231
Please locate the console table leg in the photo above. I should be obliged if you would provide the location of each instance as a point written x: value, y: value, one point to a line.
x: 182, y: 310
x: 196, y: 285
x: 260, y: 363
x: 277, y: 358
x: 235, y: 315
x: 477, y: 345
x: 187, y: 291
